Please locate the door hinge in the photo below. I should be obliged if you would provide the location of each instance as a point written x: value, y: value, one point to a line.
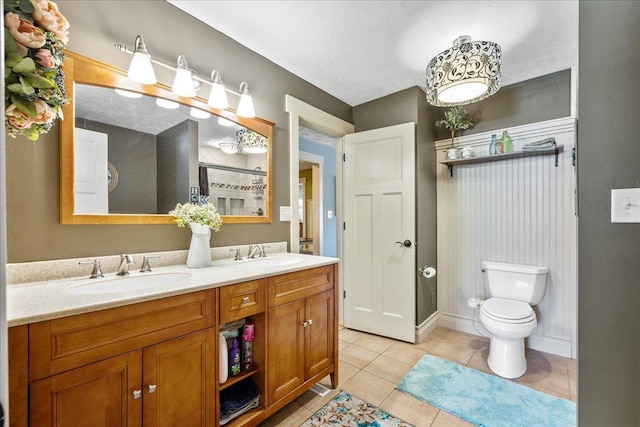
x: 344, y: 225
x: 344, y: 294
x: 344, y: 157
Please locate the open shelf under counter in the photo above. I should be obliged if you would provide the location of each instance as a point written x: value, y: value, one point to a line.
x: 504, y: 156
x: 237, y: 378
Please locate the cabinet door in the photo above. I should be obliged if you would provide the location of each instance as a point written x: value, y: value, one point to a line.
x: 285, y: 338
x: 179, y: 381
x: 99, y: 395
x: 319, y: 336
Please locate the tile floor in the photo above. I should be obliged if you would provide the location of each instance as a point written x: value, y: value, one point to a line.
x: 370, y: 367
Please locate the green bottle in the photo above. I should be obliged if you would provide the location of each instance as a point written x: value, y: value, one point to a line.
x: 507, y: 144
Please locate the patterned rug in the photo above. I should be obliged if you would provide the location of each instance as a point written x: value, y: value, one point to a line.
x: 483, y: 399
x: 346, y: 410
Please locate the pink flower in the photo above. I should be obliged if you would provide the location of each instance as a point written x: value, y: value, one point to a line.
x: 17, y: 118
x: 46, y: 14
x: 24, y: 32
x: 44, y: 113
x: 44, y: 58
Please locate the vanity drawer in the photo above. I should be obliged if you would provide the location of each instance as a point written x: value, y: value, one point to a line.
x: 242, y: 300
x: 61, y: 344
x: 300, y: 284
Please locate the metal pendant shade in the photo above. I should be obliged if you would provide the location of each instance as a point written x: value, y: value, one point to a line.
x: 465, y: 73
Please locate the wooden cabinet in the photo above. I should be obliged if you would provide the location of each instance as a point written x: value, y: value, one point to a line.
x: 155, y: 363
x: 302, y: 327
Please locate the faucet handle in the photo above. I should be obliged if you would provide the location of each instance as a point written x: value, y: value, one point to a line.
x: 263, y: 254
x: 96, y: 272
x: 237, y: 257
x: 145, y: 263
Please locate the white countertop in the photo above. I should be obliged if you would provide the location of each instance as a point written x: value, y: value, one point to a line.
x: 39, y: 301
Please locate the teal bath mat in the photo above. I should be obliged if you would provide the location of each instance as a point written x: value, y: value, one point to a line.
x: 483, y: 399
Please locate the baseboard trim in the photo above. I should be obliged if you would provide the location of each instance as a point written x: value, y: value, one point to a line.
x: 550, y: 345
x: 424, y: 329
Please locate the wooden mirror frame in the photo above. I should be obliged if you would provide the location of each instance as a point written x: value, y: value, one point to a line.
x: 80, y: 69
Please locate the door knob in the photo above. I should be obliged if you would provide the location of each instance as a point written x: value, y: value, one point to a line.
x: 406, y: 243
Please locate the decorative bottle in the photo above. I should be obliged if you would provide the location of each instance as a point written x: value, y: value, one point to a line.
x: 234, y: 357
x: 492, y: 146
x: 499, y: 147
x: 507, y: 144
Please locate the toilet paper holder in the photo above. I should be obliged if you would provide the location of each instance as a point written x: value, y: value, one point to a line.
x: 427, y: 272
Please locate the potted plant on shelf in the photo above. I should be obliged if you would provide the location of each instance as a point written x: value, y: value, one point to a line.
x: 455, y: 119
x: 201, y: 219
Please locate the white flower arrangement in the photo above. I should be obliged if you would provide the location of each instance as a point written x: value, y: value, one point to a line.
x: 205, y: 214
x: 36, y: 34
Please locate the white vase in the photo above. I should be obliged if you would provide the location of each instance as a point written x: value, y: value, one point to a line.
x: 199, y: 250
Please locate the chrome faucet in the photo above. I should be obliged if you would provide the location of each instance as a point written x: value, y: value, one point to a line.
x: 96, y: 272
x: 255, y: 250
x: 125, y: 261
x: 145, y: 263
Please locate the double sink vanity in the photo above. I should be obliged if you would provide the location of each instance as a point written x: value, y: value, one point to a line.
x: 143, y: 349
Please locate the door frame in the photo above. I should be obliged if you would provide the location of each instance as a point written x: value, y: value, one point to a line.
x: 302, y: 113
x: 317, y: 194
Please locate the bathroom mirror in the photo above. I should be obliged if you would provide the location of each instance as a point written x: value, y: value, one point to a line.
x: 126, y: 160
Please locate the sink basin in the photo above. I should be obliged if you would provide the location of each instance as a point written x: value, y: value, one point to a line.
x: 129, y: 283
x: 273, y: 261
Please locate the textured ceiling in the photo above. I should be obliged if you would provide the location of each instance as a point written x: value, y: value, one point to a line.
x: 359, y: 51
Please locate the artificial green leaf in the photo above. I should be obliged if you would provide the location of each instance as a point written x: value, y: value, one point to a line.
x: 15, y: 87
x: 10, y: 44
x: 26, y: 6
x: 25, y: 66
x: 13, y: 59
x: 38, y: 81
x: 31, y: 133
x: 29, y: 108
x: 27, y: 89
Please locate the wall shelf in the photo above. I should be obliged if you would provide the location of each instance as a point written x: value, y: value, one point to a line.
x: 496, y: 157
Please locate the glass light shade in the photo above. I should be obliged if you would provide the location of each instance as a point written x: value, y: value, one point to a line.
x: 128, y: 93
x: 468, y: 72
x: 141, y: 70
x: 183, y: 83
x: 165, y: 103
x: 225, y: 122
x: 199, y: 114
x: 218, y: 95
x: 245, y: 106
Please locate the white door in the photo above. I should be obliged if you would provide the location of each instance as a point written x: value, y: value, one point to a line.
x: 90, y: 178
x: 379, y: 217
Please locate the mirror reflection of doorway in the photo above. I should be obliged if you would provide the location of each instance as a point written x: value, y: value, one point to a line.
x: 309, y: 207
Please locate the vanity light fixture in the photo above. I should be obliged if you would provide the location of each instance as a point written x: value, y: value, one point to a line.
x: 128, y: 93
x: 186, y: 82
x: 465, y: 73
x: 165, y: 103
x: 225, y: 122
x: 199, y: 114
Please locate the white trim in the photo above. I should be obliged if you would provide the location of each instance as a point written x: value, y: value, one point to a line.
x: 424, y: 329
x: 302, y: 113
x: 550, y: 345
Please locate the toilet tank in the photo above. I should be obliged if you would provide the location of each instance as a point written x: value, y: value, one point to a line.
x: 514, y: 281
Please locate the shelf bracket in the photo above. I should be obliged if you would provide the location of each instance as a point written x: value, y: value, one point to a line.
x: 450, y: 170
x: 557, y: 156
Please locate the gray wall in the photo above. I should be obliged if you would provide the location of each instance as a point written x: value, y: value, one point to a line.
x: 34, y: 232
x: 531, y: 101
x: 608, y: 254
x: 410, y: 105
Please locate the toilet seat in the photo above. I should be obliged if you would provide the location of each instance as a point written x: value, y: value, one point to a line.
x: 508, y: 311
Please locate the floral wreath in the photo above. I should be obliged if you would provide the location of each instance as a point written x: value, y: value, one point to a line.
x: 35, y: 35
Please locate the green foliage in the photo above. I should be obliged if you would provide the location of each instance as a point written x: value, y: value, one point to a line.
x: 455, y: 119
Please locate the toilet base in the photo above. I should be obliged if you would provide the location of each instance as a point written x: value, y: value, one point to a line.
x: 506, y: 357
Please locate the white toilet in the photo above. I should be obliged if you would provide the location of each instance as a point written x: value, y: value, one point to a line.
x: 511, y: 290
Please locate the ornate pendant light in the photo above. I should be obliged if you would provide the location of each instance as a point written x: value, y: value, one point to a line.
x: 465, y: 73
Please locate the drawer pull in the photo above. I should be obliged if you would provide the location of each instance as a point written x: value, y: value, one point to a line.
x: 310, y: 321
x: 245, y: 300
x: 305, y: 323
x: 137, y: 394
x: 152, y: 388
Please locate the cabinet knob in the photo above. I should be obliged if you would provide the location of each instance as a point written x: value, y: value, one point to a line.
x: 310, y: 321
x: 152, y: 388
x: 245, y: 300
x: 137, y: 394
x: 305, y: 323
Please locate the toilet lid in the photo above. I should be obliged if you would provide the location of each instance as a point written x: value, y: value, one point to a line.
x: 507, y: 310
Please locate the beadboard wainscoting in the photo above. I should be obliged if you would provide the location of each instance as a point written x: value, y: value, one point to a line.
x: 519, y: 210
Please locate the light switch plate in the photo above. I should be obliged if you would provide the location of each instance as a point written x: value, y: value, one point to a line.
x: 285, y: 213
x: 329, y: 214
x: 625, y: 205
